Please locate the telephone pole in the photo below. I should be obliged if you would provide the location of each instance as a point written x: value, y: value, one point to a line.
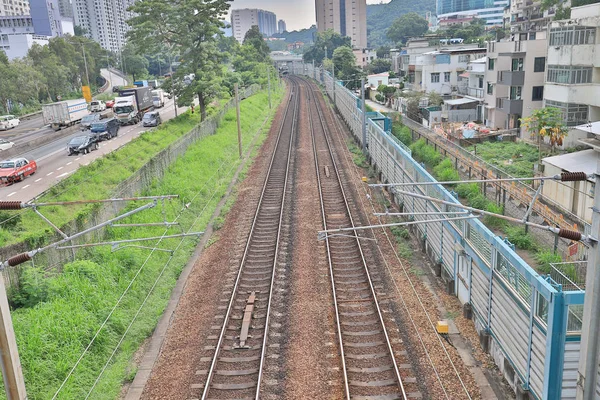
x: 239, y: 126
x: 364, y: 115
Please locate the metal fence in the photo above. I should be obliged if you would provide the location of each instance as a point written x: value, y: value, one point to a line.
x: 525, y: 314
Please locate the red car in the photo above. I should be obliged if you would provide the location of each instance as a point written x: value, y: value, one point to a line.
x: 110, y: 103
x: 16, y: 170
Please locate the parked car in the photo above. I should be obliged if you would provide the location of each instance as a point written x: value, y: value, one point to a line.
x: 82, y: 144
x: 16, y: 170
x: 97, y: 106
x: 106, y: 129
x: 8, y: 121
x: 5, y: 144
x: 110, y: 103
x: 151, y: 118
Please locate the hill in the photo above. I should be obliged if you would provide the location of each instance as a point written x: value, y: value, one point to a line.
x: 381, y: 16
x: 303, y: 35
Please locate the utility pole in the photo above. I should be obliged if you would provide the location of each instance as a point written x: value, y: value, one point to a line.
x: 14, y: 383
x: 109, y: 73
x: 173, y: 84
x: 269, y: 83
x: 85, y: 63
x: 239, y: 126
x: 333, y: 80
x: 588, y: 356
x: 314, y: 71
x: 364, y: 115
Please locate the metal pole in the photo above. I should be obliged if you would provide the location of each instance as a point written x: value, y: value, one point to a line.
x: 109, y: 73
x: 173, y: 84
x: 14, y: 383
x: 364, y: 115
x: 269, y: 83
x: 588, y: 358
x: 333, y: 80
x: 239, y: 126
x: 314, y: 71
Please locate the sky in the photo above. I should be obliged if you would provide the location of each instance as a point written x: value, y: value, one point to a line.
x: 297, y: 14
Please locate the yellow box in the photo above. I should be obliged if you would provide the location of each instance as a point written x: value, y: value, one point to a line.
x: 442, y: 327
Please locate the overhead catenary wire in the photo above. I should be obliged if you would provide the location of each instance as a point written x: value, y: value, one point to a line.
x: 185, y: 208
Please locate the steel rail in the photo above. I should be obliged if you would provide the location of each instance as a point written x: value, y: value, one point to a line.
x: 211, y: 371
x: 359, y: 246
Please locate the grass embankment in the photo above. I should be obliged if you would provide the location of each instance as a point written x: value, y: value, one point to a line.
x: 95, y: 181
x: 443, y: 169
x: 62, y: 312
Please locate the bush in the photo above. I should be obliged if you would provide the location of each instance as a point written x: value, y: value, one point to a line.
x: 517, y: 236
x: 445, y: 171
x: 379, y: 98
x: 425, y: 153
x: 33, y: 288
x: 491, y: 221
x: 402, y: 133
x: 467, y: 190
x: 400, y: 232
x: 545, y: 258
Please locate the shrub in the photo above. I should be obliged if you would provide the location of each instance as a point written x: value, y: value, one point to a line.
x: 402, y: 133
x: 545, y: 258
x: 425, y: 153
x: 467, y: 190
x: 445, y: 171
x: 491, y: 221
x: 400, y: 232
x: 517, y: 236
x: 33, y: 288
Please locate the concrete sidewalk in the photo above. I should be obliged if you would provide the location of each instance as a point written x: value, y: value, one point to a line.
x: 379, y: 107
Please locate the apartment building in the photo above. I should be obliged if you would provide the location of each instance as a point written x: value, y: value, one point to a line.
x: 573, y: 78
x: 364, y: 56
x: 242, y: 20
x: 48, y: 19
x: 281, y: 26
x: 514, y: 80
x: 471, y: 84
x: 14, y: 7
x: 346, y: 17
x: 104, y: 20
x: 17, y: 35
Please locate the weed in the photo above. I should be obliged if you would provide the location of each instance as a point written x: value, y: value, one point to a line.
x: 417, y: 271
x: 517, y: 236
x: 405, y: 251
x: 545, y: 258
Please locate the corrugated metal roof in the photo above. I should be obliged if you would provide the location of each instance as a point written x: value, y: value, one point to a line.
x: 580, y: 161
x: 456, y: 102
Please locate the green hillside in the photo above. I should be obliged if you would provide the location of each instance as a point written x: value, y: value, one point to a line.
x: 381, y: 16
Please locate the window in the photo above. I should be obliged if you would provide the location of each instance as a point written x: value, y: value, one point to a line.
x: 480, y: 83
x: 446, y: 76
x: 538, y: 93
x: 515, y: 92
x: 517, y: 64
x: 572, y: 35
x: 491, y: 63
x: 490, y: 88
x: 569, y: 74
x: 574, y: 114
x: 539, y: 64
x: 435, y: 77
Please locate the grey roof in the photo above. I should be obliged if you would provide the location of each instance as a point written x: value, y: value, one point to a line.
x: 579, y: 161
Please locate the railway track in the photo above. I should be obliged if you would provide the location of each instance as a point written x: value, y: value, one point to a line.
x: 369, y: 366
x: 236, y: 367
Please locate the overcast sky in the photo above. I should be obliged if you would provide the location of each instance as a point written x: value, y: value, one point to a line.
x: 297, y: 14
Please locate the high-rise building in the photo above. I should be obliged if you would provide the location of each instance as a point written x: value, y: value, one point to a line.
x: 346, y: 17
x: 14, y: 7
x: 17, y: 36
x: 242, y: 20
x: 48, y: 19
x: 66, y: 8
x: 281, y: 26
x: 491, y: 12
x: 105, y: 21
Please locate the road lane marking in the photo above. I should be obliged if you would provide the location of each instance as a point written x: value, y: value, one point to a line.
x: 65, y: 174
x: 11, y: 194
x: 59, y: 168
x: 49, y: 174
x: 78, y: 158
x: 25, y: 187
x: 70, y: 162
x: 37, y: 180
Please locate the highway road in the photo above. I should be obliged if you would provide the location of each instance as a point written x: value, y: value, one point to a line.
x: 54, y: 164
x: 113, y: 79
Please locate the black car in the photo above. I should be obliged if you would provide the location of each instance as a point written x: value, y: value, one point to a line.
x: 88, y: 120
x: 82, y: 144
x: 151, y: 118
x: 106, y: 128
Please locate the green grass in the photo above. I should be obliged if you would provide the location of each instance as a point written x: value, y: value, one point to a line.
x: 60, y: 312
x: 96, y: 181
x: 516, y: 159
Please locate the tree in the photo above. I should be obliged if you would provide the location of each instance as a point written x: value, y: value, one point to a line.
x: 255, y: 39
x: 345, y: 66
x: 378, y: 66
x: 133, y: 63
x: 435, y: 99
x: 383, y: 52
x: 328, y: 40
x: 387, y: 92
x: 191, y: 29
x: 470, y: 33
x: 548, y: 123
x: 407, y: 26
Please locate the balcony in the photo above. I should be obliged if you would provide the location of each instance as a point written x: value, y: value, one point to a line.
x: 471, y: 91
x: 509, y: 106
x: 511, y: 78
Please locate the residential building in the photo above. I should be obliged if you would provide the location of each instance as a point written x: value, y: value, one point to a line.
x: 105, y: 21
x: 462, y: 20
x: 573, y: 78
x: 281, y: 26
x: 242, y: 20
x: 514, y: 80
x: 17, y: 35
x: 439, y: 70
x: 14, y: 7
x: 489, y: 11
x: 48, y: 20
x: 66, y: 8
x: 471, y: 84
x: 376, y: 80
x: 364, y: 56
x: 346, y: 17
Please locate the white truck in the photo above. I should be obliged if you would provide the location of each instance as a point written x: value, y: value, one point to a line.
x: 64, y: 113
x: 158, y: 98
